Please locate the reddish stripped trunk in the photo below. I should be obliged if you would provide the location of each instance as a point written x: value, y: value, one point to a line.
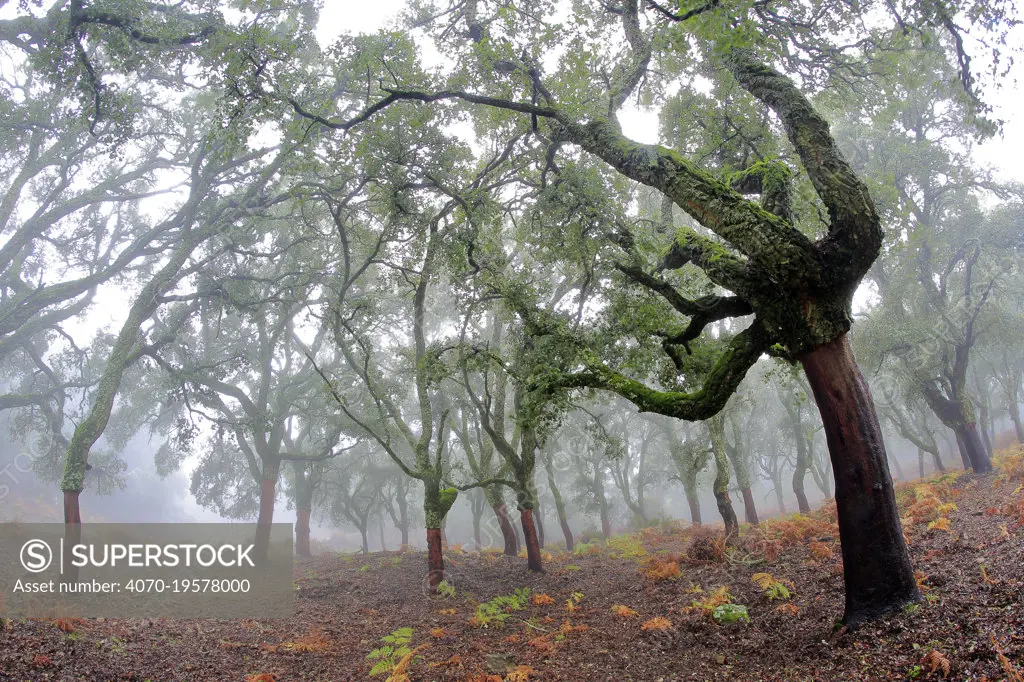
x: 877, y: 571
x: 302, y: 533
x: 435, y: 559
x: 508, y: 534
x: 531, y: 540
x: 749, y: 510
x: 268, y: 491
x: 72, y: 511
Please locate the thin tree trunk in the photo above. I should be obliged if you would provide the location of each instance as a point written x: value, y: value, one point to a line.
x: 538, y: 518
x: 508, y: 534
x: 435, y: 559
x: 780, y: 499
x: 749, y: 509
x: 937, y: 459
x: 920, y: 463
x: 563, y: 520
x: 899, y: 469
x: 692, y: 501
x: 476, y: 526
x: 532, y: 542
x: 380, y: 529
x: 878, y: 575
x: 72, y: 534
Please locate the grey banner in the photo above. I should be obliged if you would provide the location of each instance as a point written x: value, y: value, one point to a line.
x: 145, y: 570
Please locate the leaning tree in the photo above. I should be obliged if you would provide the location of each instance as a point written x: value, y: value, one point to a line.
x: 795, y: 285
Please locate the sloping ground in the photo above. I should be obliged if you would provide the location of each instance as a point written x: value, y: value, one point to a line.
x: 641, y: 608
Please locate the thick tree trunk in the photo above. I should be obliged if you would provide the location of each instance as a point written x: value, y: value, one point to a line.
x: 435, y: 559
x: 716, y: 427
x: 302, y: 533
x: 749, y: 509
x: 268, y: 492
x: 366, y: 540
x: 508, y: 534
x: 975, y: 448
x: 961, y: 445
x: 72, y: 534
x: 532, y: 542
x: 606, y: 523
x: 72, y: 511
x: 476, y: 529
x: 878, y: 575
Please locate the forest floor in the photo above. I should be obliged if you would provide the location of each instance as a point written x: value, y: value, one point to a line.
x: 639, y: 607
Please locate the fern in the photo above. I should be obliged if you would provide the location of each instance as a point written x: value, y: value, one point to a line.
x: 772, y: 586
x: 394, y: 652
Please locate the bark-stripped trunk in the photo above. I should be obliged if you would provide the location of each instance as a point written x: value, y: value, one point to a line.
x: 877, y: 571
x: 435, y: 559
x: 508, y: 533
x: 532, y: 542
x: 749, y: 508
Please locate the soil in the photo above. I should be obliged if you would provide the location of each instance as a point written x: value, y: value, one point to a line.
x: 972, y: 620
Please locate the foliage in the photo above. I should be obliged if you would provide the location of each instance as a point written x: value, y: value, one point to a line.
x: 727, y: 614
x: 623, y: 611
x: 656, y: 623
x: 500, y: 608
x: 395, y: 653
x: 773, y: 587
x: 659, y: 568
x: 445, y: 589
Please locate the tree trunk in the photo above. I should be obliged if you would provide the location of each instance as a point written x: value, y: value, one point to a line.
x: 692, y: 501
x: 380, y: 532
x: 1018, y: 426
x: 435, y: 559
x: 937, y: 459
x: 72, y: 511
x: 508, y: 534
x: 606, y: 523
x: 563, y: 520
x: 403, y: 511
x: 476, y: 527
x: 72, y: 534
x: 961, y: 445
x: 539, y: 520
x: 900, y: 476
x: 920, y: 463
x: 975, y: 449
x: 716, y: 427
x: 749, y: 509
x: 532, y: 542
x: 268, y: 493
x: 302, y: 533
x: 366, y: 540
x: 878, y: 575
x: 780, y: 499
